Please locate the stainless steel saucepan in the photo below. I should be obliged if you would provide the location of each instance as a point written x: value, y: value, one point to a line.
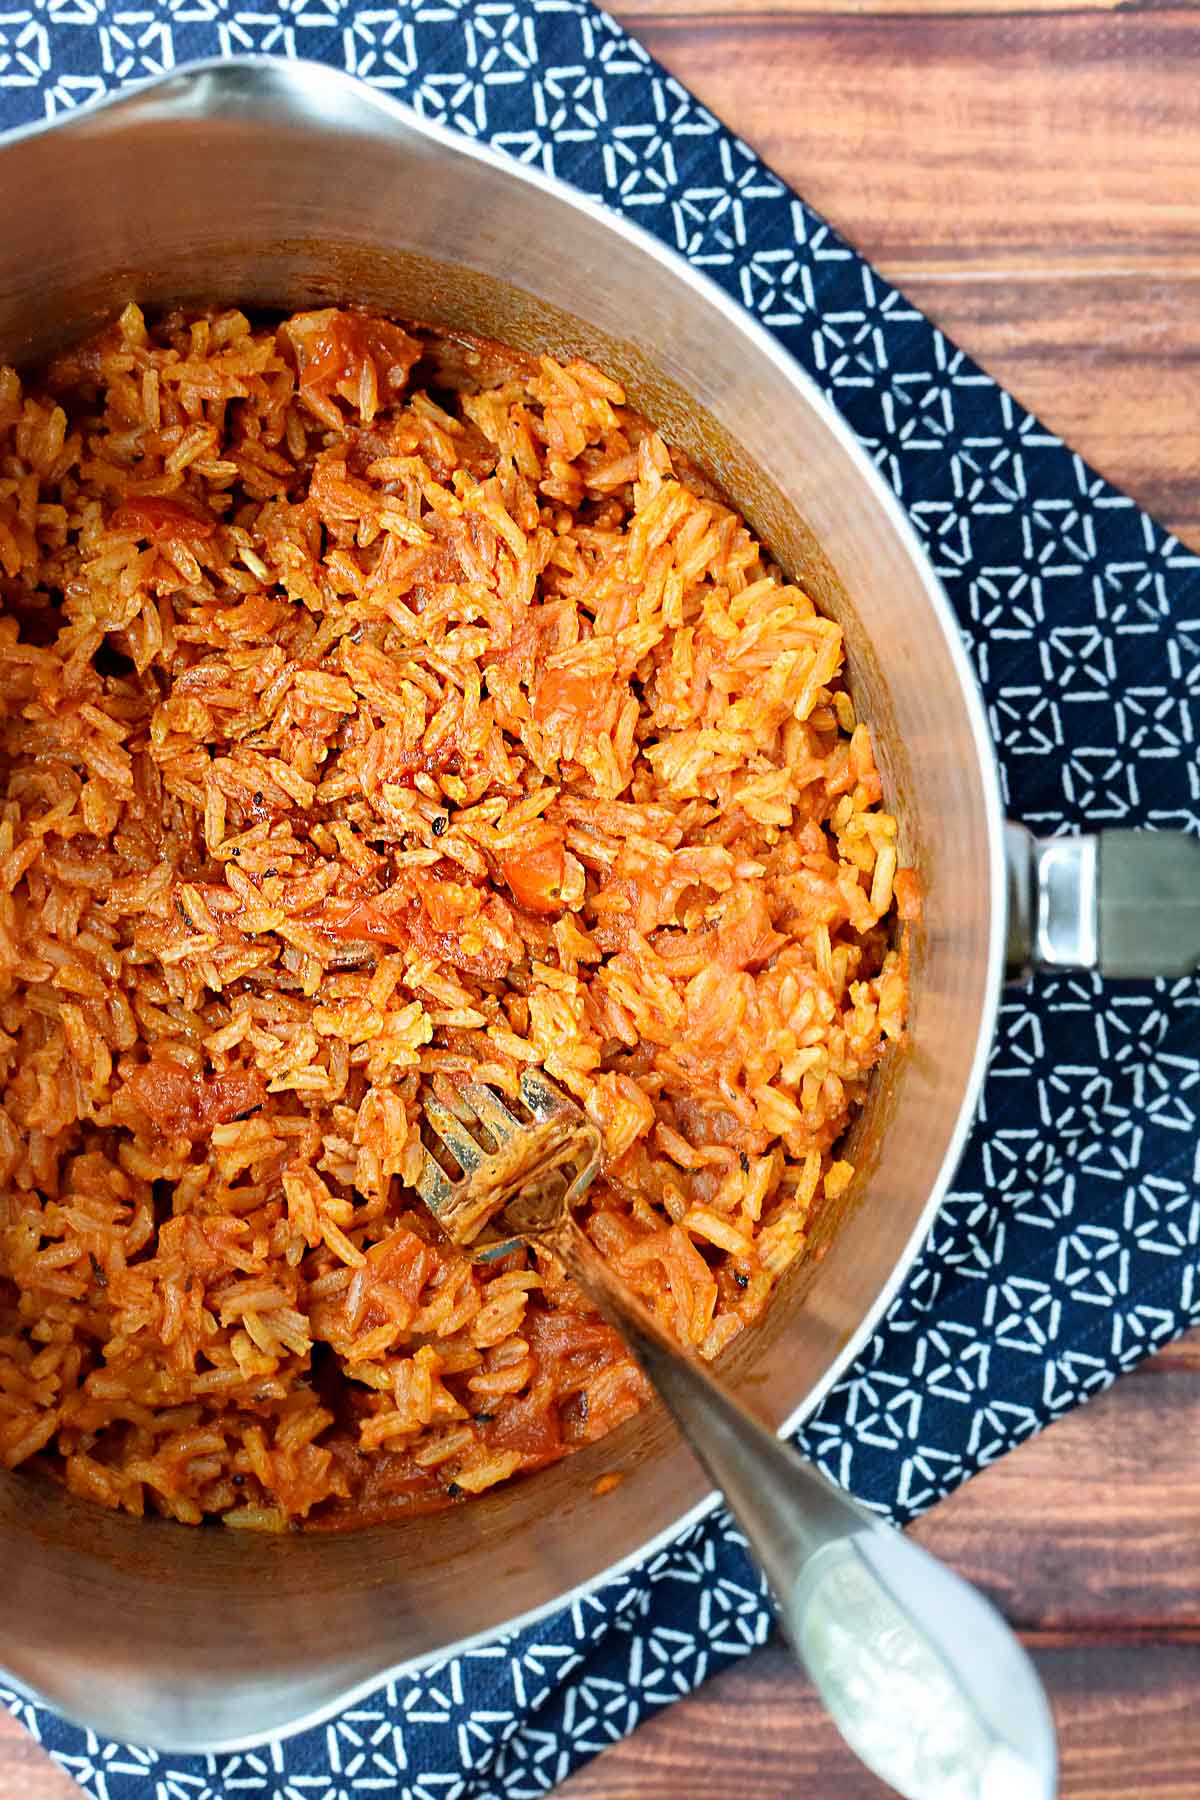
x: 283, y: 185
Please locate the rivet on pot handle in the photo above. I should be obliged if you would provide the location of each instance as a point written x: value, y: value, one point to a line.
x: 1124, y: 902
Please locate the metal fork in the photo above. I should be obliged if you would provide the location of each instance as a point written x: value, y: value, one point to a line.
x: 922, y: 1676
x: 519, y: 1158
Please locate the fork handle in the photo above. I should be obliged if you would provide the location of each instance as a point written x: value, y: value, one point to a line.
x: 734, y: 1447
x: 921, y: 1675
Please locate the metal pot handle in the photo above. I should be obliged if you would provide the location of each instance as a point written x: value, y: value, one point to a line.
x: 1124, y: 902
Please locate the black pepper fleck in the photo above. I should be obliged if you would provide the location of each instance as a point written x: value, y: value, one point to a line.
x: 745, y: 1162
x: 743, y: 1281
x: 267, y: 873
x: 258, y: 796
x: 453, y: 1489
x: 439, y: 824
x: 239, y: 1481
x: 484, y: 1418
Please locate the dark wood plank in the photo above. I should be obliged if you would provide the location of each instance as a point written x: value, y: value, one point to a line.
x: 896, y: 9
x: 26, y: 1772
x: 1055, y: 141
x: 1128, y: 1725
x: 1184, y: 1353
x: 1032, y: 180
x: 1112, y: 364
x: 1094, y: 1526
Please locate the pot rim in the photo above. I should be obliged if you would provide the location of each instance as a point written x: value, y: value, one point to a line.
x: 204, y: 87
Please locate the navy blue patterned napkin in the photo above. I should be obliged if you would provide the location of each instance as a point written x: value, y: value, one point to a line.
x: 1070, y: 1246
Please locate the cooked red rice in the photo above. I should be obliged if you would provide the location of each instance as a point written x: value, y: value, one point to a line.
x: 379, y: 708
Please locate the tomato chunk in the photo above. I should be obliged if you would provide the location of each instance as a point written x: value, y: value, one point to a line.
x: 154, y: 516
x: 536, y: 876
x: 359, y: 919
x: 563, y: 694
x: 181, y: 1104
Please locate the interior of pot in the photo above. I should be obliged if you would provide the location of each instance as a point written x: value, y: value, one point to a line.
x: 279, y: 186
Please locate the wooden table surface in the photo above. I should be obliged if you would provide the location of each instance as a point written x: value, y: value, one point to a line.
x: 1029, y: 172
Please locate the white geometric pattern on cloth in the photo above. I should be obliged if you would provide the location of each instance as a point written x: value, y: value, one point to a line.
x: 1071, y: 1245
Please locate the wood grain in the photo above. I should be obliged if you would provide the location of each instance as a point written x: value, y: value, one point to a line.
x: 1031, y: 178
x: 26, y: 1772
x: 1092, y: 1529
x: 1184, y: 1353
x: 1127, y: 1721
x: 1110, y: 363
x: 900, y: 9
x: 1068, y: 139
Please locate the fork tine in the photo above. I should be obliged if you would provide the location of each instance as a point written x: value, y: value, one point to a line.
x: 541, y: 1096
x: 555, y: 1141
x: 454, y: 1134
x: 433, y: 1185
x: 490, y: 1253
x: 491, y: 1111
